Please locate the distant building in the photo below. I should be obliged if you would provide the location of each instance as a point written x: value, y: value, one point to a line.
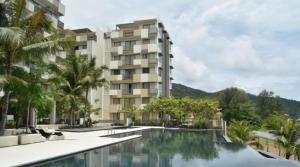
x: 139, y: 57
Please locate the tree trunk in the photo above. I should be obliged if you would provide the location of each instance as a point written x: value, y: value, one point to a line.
x: 28, y: 115
x: 6, y: 105
x: 85, y: 105
x: 4, y: 114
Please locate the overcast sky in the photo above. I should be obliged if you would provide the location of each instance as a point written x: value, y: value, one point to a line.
x: 250, y: 44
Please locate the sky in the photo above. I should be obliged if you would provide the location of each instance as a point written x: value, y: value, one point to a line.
x: 249, y: 44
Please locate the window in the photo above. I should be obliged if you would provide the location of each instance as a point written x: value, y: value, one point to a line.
x: 159, y: 71
x: 129, y: 45
x: 114, y: 58
x: 83, y: 47
x: 145, y: 56
x: 116, y: 43
x: 115, y: 72
x: 129, y: 102
x: 128, y: 33
x: 145, y: 100
x: 115, y: 101
x: 115, y: 87
x: 146, y: 85
x: 146, y: 26
x: 129, y: 59
x: 146, y: 41
x: 146, y: 70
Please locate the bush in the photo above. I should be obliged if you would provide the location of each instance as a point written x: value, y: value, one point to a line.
x: 274, y: 122
x: 200, y: 124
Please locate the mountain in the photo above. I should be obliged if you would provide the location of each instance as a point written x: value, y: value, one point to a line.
x: 178, y: 90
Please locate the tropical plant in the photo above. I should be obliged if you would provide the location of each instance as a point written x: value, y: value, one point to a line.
x: 287, y: 138
x: 70, y: 79
x: 274, y: 122
x: 93, y: 79
x: 240, y: 132
x: 22, y: 40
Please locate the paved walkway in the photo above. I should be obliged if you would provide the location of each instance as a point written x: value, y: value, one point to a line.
x: 73, y: 143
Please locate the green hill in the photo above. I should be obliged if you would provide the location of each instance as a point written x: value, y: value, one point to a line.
x: 292, y: 107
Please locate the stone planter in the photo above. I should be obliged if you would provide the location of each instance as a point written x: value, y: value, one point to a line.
x: 31, y: 138
x: 6, y: 141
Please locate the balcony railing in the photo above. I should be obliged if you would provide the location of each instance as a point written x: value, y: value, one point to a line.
x: 127, y: 76
x: 127, y: 92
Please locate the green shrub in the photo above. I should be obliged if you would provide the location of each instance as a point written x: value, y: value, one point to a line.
x: 200, y: 124
x: 274, y: 122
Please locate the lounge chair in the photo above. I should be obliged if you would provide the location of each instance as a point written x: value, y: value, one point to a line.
x: 47, y: 134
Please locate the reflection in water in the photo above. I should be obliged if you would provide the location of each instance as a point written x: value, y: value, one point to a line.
x: 167, y: 148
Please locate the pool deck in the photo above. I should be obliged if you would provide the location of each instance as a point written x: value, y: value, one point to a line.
x: 74, y: 142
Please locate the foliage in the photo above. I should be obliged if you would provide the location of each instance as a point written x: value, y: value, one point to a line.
x: 240, y: 132
x: 287, y: 138
x: 200, y: 123
x: 274, y: 122
x: 268, y: 104
x: 93, y: 79
x: 178, y: 109
x: 292, y: 107
x: 236, y: 105
x: 22, y: 41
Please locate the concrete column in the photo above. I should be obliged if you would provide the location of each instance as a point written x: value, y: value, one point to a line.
x: 53, y: 114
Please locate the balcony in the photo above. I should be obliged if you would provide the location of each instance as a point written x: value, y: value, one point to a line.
x: 146, y: 78
x: 117, y: 93
x: 116, y: 78
x: 141, y: 92
x: 144, y: 62
x: 153, y: 48
x: 115, y: 64
x: 117, y: 50
x: 54, y: 5
x: 127, y: 77
x: 127, y: 92
x: 144, y: 33
x: 116, y: 34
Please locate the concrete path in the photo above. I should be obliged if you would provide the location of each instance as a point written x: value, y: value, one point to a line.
x: 73, y: 143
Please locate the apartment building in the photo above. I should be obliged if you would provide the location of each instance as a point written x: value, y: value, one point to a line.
x: 139, y: 57
x: 54, y: 9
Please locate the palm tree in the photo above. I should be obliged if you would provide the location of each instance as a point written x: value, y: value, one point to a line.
x: 287, y: 138
x: 22, y: 40
x: 68, y: 78
x: 93, y: 79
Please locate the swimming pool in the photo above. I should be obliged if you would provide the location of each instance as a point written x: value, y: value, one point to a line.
x: 170, y: 148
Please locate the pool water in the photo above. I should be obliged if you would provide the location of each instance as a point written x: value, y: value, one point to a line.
x: 170, y: 148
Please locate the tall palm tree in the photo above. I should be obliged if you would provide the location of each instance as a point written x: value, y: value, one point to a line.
x: 68, y: 78
x: 287, y: 138
x: 21, y: 40
x: 93, y: 79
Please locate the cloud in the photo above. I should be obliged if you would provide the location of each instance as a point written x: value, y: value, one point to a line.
x: 219, y: 43
x: 188, y: 70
